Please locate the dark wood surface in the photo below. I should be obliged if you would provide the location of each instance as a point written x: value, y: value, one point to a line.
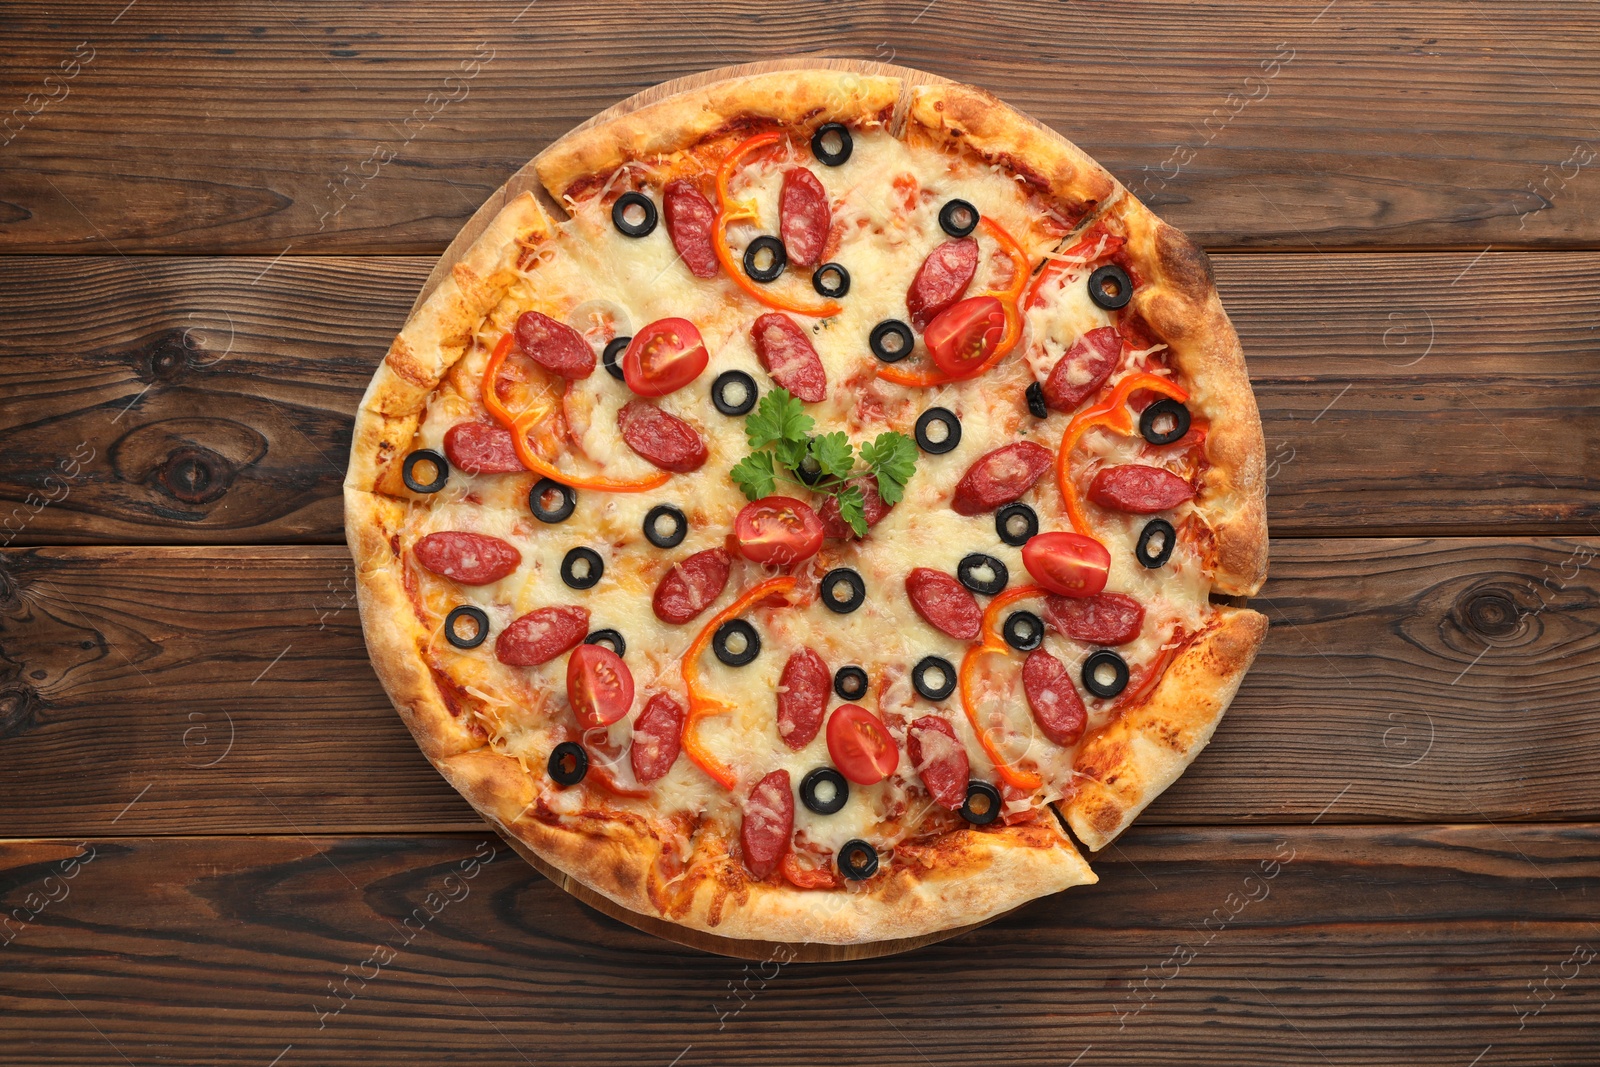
x: 200, y: 265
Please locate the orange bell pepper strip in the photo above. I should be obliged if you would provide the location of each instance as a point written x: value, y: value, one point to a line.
x: 1112, y: 413
x: 992, y: 643
x: 518, y: 425
x: 701, y: 708
x: 1008, y: 297
x: 728, y: 212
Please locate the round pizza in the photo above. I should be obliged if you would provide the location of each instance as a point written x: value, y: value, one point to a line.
x: 830, y: 500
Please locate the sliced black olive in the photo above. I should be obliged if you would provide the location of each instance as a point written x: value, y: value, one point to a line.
x: 891, y: 340
x: 777, y: 259
x: 831, y: 280
x: 1156, y: 542
x: 850, y: 683
x: 1014, y: 524
x: 441, y: 471
x: 733, y: 392
x: 939, y: 667
x: 736, y: 643
x: 642, y: 208
x: 569, y: 763
x: 824, y: 790
x: 610, y: 638
x: 857, y: 860
x: 562, y: 511
x: 936, y: 446
x: 1034, y: 394
x: 582, y: 568
x: 983, y: 803
x: 958, y: 218
x: 1023, y: 631
x: 1157, y: 414
x: 809, y: 469
x: 982, y: 574
x: 1110, y: 287
x: 832, y: 144
x: 611, y: 358
x: 854, y: 587
x: 480, y: 624
x: 1105, y: 674
x: 665, y: 513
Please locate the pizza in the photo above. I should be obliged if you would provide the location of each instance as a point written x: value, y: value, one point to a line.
x: 819, y: 506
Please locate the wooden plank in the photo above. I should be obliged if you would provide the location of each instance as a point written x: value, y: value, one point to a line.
x: 215, y: 395
x: 1291, y: 944
x: 273, y: 127
x: 1440, y: 680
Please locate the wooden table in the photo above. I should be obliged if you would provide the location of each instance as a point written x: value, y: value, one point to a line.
x: 220, y: 845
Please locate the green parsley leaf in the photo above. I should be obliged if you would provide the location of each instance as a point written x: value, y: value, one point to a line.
x: 792, y: 453
x: 755, y: 475
x: 834, y: 454
x: 892, y: 457
x: 852, y: 509
x: 778, y: 417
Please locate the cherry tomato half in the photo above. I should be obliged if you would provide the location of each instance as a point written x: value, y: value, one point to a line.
x: 779, y: 530
x: 1067, y: 563
x: 963, y: 335
x: 666, y: 355
x: 860, y: 746
x: 599, y: 685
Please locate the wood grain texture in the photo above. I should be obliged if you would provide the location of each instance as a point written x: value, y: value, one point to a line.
x: 1429, y: 680
x: 298, y: 127
x: 1278, y: 945
x: 216, y: 394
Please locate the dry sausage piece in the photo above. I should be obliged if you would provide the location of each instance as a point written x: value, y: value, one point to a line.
x: 478, y: 448
x: 1083, y: 368
x: 555, y: 346
x: 468, y: 558
x: 691, y: 586
x: 1102, y: 619
x: 787, y: 354
x: 1138, y: 489
x: 872, y: 506
x: 663, y: 439
x: 657, y: 735
x: 944, y: 603
x: 803, y: 217
x: 803, y: 689
x: 768, y: 824
x: 940, y: 760
x: 690, y: 217
x: 1056, y: 706
x: 941, y: 280
x: 541, y: 635
x: 1000, y: 477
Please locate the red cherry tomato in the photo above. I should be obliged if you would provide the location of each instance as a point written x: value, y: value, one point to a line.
x: 778, y: 529
x: 860, y: 746
x: 963, y: 335
x: 1067, y: 563
x: 668, y: 354
x: 599, y: 686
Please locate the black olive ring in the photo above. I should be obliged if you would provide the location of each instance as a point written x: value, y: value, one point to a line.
x: 850, y: 683
x: 952, y: 428
x: 619, y: 214
x: 843, y: 576
x: 1003, y: 519
x: 610, y: 638
x: 973, y: 562
x: 958, y: 218
x: 479, y: 618
x: 680, y: 526
x: 1169, y: 538
x: 881, y: 333
x: 1091, y: 667
x: 989, y: 811
x: 726, y: 380
x: 772, y: 246
x: 833, y: 290
x: 808, y: 791
x: 1023, y: 631
x: 809, y: 470
x: 591, y: 577
x: 560, y: 755
x: 441, y: 471
x: 1034, y: 395
x: 562, y: 511
x: 611, y: 358
x: 819, y: 144
x: 926, y: 689
x: 726, y: 632
x: 1110, y: 277
x: 858, y: 860
x: 1152, y: 414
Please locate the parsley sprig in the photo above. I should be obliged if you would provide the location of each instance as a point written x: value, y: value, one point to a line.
x: 780, y: 434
